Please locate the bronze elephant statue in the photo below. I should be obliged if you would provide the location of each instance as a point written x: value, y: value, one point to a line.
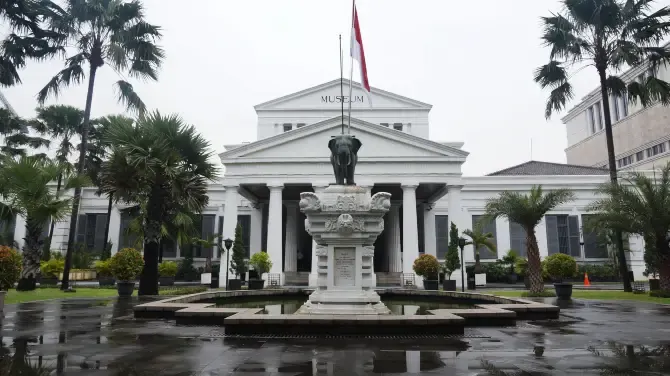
x: 343, y: 157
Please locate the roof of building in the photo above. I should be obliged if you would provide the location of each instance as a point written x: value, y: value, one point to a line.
x: 549, y: 168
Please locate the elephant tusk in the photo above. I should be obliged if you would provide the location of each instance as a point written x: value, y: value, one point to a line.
x: 349, y: 157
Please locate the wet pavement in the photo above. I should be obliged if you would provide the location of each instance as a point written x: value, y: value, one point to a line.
x: 100, y: 337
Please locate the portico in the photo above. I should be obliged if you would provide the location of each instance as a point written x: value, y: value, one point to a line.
x: 271, y: 174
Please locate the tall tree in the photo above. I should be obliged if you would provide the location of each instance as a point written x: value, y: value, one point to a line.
x: 640, y: 206
x: 166, y: 167
x: 103, y: 31
x: 25, y: 190
x: 527, y: 211
x: 15, y: 132
x: 479, y: 238
x: 28, y: 37
x: 608, y: 35
x: 63, y: 124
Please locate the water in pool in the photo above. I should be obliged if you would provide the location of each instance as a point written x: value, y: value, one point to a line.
x: 290, y: 306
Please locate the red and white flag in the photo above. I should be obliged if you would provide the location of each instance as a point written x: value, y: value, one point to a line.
x: 357, y: 50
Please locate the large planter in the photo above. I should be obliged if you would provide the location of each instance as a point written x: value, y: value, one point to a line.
x: 205, y: 278
x: 166, y: 281
x: 235, y: 284
x: 449, y: 285
x: 654, y: 284
x: 48, y: 281
x: 431, y: 284
x: 106, y: 281
x: 81, y: 275
x: 563, y: 290
x: 125, y: 288
x: 256, y: 284
x: 480, y: 279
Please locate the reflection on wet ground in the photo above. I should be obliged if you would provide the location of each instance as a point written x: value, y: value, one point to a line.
x: 99, y: 337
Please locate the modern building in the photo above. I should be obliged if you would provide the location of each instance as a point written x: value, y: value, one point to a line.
x: 263, y: 181
x: 641, y: 135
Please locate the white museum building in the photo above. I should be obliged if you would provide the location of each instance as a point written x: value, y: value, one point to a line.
x: 263, y: 181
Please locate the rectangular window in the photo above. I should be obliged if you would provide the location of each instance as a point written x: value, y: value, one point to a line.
x: 594, y: 246
x: 300, y: 125
x: 288, y: 127
x: 639, y: 156
x: 624, y: 106
x: 615, y: 105
x: 517, y: 237
x: 656, y: 149
x: 486, y: 227
x: 127, y: 239
x: 397, y: 126
x: 599, y: 116
x: 206, y: 233
x: 384, y: 124
x: 91, y: 231
x: 245, y: 222
x: 591, y: 119
x: 442, y: 235
x: 563, y: 234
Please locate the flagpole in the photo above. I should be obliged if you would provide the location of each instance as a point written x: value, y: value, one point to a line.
x: 351, y: 72
x: 341, y: 83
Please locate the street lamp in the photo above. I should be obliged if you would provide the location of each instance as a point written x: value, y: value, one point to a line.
x: 461, y: 245
x: 228, y: 244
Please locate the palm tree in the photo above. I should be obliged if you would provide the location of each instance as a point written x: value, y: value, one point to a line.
x: 16, y: 134
x: 103, y: 31
x: 478, y: 239
x: 608, y: 35
x: 29, y: 38
x: 528, y: 210
x: 24, y: 188
x: 642, y: 207
x: 166, y: 167
x: 60, y: 122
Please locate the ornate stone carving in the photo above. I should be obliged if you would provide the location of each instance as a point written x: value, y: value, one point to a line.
x: 321, y: 250
x: 368, y: 251
x: 309, y: 202
x: 380, y: 202
x: 345, y: 223
x: 345, y: 203
x: 308, y: 226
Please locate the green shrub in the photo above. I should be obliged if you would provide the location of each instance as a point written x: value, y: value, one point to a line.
x: 127, y: 264
x: 521, y: 267
x: 261, y: 263
x: 81, y: 257
x: 57, y: 255
x: 103, y: 268
x: 541, y: 294
x: 46, y: 251
x: 167, y: 269
x: 10, y: 267
x: 660, y: 294
x: 52, y: 268
x: 426, y: 266
x: 452, y: 261
x: 107, y: 251
x: 510, y: 260
x: 495, y: 271
x: 560, y: 266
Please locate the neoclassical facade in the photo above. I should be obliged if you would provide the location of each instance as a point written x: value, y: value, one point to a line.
x: 263, y: 181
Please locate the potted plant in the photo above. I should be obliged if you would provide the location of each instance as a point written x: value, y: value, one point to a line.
x: 510, y: 260
x: 10, y: 270
x: 126, y: 266
x: 166, y: 272
x: 427, y: 267
x: 521, y: 269
x: 103, y: 270
x: 261, y: 263
x: 560, y: 266
x: 238, y: 264
x: 452, y: 262
x: 50, y: 271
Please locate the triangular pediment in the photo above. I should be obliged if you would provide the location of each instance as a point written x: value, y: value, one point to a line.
x: 328, y: 96
x: 311, y: 142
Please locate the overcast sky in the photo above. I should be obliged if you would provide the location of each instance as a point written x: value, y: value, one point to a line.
x: 473, y: 61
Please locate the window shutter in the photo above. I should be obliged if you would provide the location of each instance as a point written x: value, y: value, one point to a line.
x: 245, y: 222
x: 81, y: 229
x: 441, y: 235
x: 573, y: 228
x: 552, y: 233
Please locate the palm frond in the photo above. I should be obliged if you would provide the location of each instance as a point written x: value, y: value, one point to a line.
x: 72, y: 74
x: 659, y: 90
x: 127, y: 95
x: 616, y: 86
x: 551, y: 74
x: 558, y: 99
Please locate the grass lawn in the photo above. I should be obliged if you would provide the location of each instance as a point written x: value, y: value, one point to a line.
x: 595, y: 295
x: 47, y: 293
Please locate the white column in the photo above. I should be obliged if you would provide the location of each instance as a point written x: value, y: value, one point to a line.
x: 275, y: 228
x: 291, y: 246
x: 410, y: 230
x: 256, y: 229
x: 429, y: 241
x: 229, y: 224
x: 217, y: 219
x: 392, y: 231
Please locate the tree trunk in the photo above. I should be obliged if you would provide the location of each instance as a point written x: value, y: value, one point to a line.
x: 160, y: 254
x: 534, y: 264
x: 611, y: 158
x: 51, y: 228
x: 72, y: 233
x: 152, y: 237
x: 109, y: 217
x: 32, y: 252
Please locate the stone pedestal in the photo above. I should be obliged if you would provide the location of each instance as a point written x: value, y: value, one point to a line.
x: 344, y: 221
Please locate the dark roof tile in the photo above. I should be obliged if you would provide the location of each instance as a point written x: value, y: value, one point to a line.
x: 549, y: 168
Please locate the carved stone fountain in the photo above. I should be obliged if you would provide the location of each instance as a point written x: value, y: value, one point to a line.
x: 344, y: 221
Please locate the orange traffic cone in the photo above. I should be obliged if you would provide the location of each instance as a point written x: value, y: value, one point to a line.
x: 586, y: 280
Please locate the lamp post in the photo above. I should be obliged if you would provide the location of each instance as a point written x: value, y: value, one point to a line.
x: 228, y: 244
x: 461, y: 245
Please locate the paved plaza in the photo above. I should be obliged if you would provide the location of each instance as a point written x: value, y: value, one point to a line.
x: 100, y: 337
